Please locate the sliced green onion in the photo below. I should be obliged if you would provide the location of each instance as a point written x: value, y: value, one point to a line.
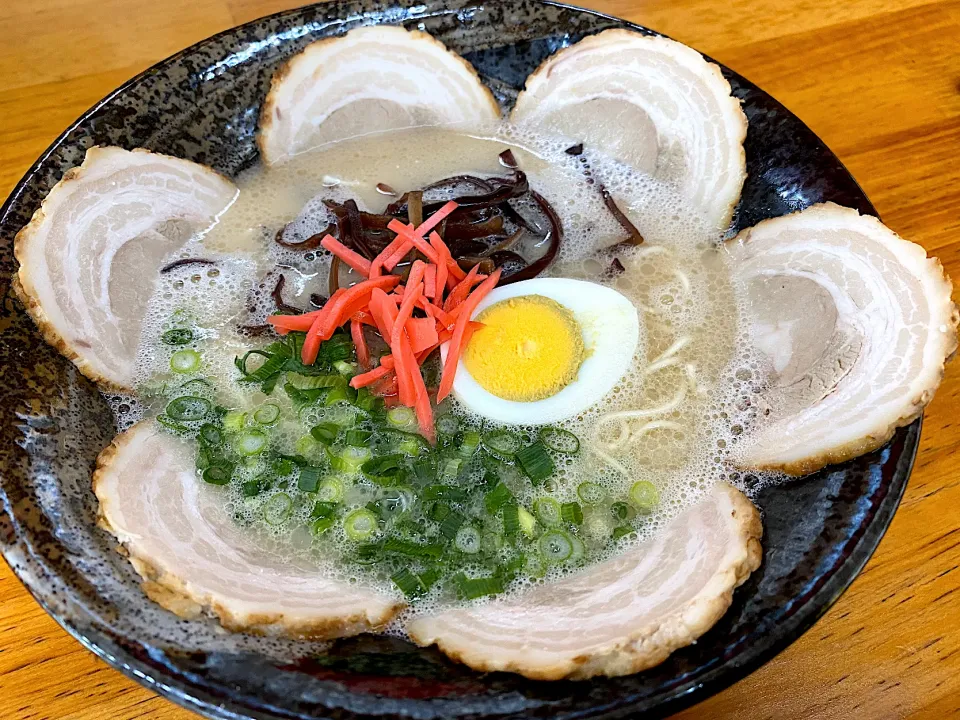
x: 251, y: 442
x: 492, y: 542
x: 273, y: 364
x: 499, y: 496
x: 572, y: 513
x: 283, y: 466
x: 412, y: 445
x: 428, y: 577
x: 644, y: 494
x: 370, y: 554
x: 412, y: 549
x: 385, y: 466
x: 177, y: 336
x: 309, y: 480
x: 590, y: 493
x: 473, y: 588
x: 511, y: 519
x: 234, y: 421
x: 345, y: 368
x: 314, y: 382
x: 303, y: 398
x: 197, y: 385
x: 277, y: 509
x: 501, y: 442
x: 535, y: 566
x: 559, y: 440
x: 361, y: 524
x: 402, y: 417
x: 357, y: 438
x: 252, y: 488
x: 535, y: 462
x: 547, y: 511
x: 185, y: 361
x: 469, y: 443
x: 408, y: 583
x: 307, y: 446
x: 448, y: 424
x: 367, y: 401
x: 338, y: 347
x: 210, y: 434
x: 325, y: 433
x: 556, y: 546
x: 621, y: 532
x: 621, y: 511
x: 578, y: 549
x: 468, y: 540
x: 330, y: 490
x: 350, y: 459
x: 324, y: 509
x: 450, y: 468
x: 450, y: 493
x: 528, y: 523
x: 321, y: 525
x: 451, y: 525
x: 341, y: 393
x: 169, y: 422
x: 188, y: 408
x: 218, y: 474
x: 425, y: 469
x: 438, y: 512
x: 266, y: 414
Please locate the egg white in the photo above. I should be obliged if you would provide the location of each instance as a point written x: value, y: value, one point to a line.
x: 611, y: 331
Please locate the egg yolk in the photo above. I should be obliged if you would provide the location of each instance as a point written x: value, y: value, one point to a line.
x: 530, y: 348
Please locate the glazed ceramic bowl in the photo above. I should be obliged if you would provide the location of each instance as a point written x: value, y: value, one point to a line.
x: 202, y: 104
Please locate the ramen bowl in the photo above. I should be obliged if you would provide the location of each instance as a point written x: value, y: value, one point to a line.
x: 203, y: 104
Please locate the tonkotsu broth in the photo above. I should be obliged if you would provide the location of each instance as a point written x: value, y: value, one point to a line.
x: 670, y: 420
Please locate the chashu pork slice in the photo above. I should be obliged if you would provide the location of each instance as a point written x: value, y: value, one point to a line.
x: 193, y: 557
x: 853, y: 325
x: 370, y: 80
x: 621, y: 616
x: 652, y: 103
x: 89, y: 258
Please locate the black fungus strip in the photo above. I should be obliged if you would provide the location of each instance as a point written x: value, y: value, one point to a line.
x: 186, y: 261
x: 317, y: 300
x: 508, y: 160
x: 502, y: 257
x: 254, y: 330
x: 456, y: 230
x: 555, y: 237
x: 472, y: 246
x: 575, y: 149
x: 311, y: 243
x: 333, y: 281
x: 616, y: 268
x: 487, y: 264
x: 415, y: 207
x: 509, y: 212
x: 508, y: 189
x: 635, y: 237
x: 277, y: 295
x: 507, y: 242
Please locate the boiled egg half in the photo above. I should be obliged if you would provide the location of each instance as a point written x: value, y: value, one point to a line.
x: 549, y: 349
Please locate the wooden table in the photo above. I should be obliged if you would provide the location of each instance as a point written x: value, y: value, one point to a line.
x: 880, y: 85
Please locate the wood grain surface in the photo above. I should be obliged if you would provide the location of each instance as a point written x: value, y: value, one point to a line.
x: 878, y: 80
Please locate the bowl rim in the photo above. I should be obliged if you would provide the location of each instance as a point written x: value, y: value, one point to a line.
x: 691, y: 690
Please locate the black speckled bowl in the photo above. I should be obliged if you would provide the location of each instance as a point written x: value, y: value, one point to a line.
x: 202, y: 104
